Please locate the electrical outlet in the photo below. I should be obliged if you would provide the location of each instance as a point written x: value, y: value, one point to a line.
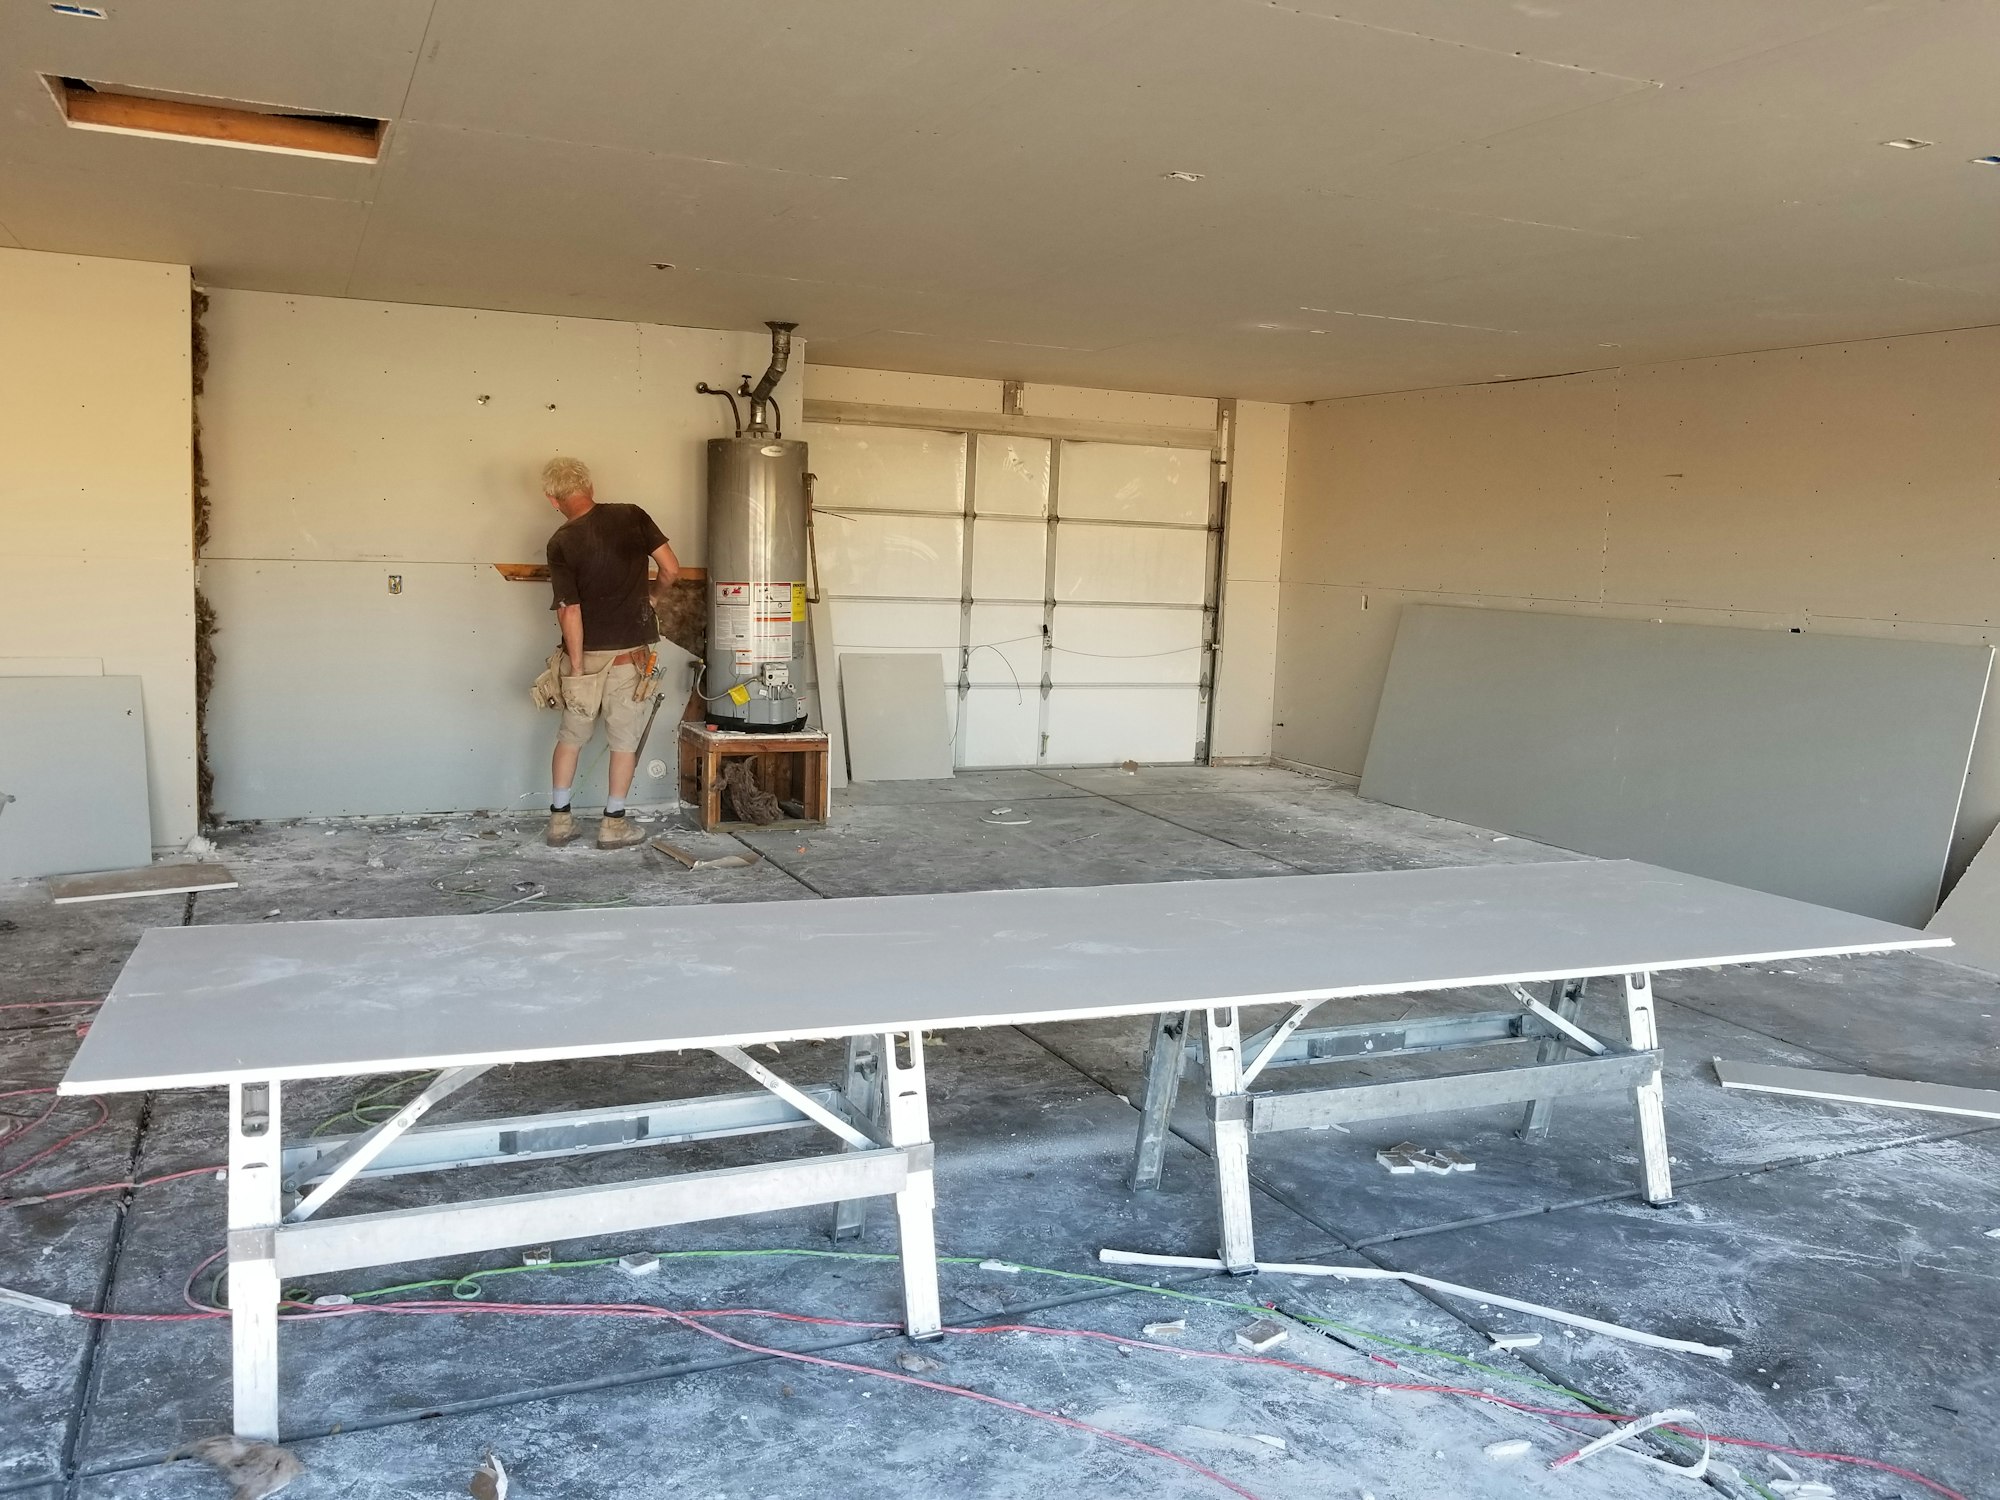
x: 395, y: 583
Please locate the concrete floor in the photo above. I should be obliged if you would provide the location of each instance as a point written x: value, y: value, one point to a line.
x: 1841, y: 1252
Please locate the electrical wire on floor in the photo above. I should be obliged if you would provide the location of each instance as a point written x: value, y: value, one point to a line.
x: 464, y: 1291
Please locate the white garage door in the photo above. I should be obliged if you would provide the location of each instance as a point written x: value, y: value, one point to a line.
x: 1065, y: 586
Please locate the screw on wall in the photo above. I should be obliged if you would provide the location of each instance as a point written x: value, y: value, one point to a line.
x: 395, y: 583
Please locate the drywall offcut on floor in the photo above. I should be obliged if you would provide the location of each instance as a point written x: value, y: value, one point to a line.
x: 1869, y: 1342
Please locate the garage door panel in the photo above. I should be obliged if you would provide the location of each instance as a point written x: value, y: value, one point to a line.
x: 1098, y: 726
x: 1006, y: 645
x: 1012, y: 477
x: 1130, y: 565
x: 1118, y: 645
x: 1119, y: 482
x: 1009, y: 559
x: 894, y: 556
x: 886, y: 468
x: 896, y: 625
x: 1000, y: 727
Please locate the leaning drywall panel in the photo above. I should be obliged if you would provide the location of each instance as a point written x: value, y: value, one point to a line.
x: 897, y: 728
x: 72, y: 776
x: 1823, y: 767
x: 1970, y: 916
x: 98, y: 561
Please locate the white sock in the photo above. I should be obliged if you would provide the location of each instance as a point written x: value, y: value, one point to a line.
x: 559, y: 799
x: 614, y: 807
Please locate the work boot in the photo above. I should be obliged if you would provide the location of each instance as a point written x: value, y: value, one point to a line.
x: 616, y: 831
x: 562, y: 827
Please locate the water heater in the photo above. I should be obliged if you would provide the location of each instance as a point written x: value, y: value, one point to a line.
x: 757, y: 503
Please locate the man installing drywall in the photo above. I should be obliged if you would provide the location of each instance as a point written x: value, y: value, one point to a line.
x: 604, y: 605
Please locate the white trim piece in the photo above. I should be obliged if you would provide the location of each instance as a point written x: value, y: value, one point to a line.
x: 1632, y: 1429
x: 1450, y: 1289
x: 1859, y: 1088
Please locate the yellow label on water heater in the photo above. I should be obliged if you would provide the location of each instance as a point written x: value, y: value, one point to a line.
x: 798, y: 601
x: 739, y: 695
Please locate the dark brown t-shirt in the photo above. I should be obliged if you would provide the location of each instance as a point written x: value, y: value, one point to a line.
x: 598, y: 561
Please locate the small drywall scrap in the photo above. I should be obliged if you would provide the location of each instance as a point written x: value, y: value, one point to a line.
x: 1970, y: 916
x: 154, y: 880
x: 1859, y: 1088
x: 73, y: 791
x: 894, y: 708
x: 1824, y: 767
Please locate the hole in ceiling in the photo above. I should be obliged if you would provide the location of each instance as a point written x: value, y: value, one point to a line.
x: 87, y: 12
x: 122, y: 110
x: 1183, y: 176
x: 1986, y: 161
x: 663, y: 265
x: 1909, y: 143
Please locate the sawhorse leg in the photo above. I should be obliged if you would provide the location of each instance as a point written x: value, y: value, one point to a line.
x: 256, y: 1203
x: 902, y: 1084
x: 1649, y: 1098
x: 1566, y: 1000
x: 863, y: 1088
x: 1164, y: 1056
x: 1229, y: 1110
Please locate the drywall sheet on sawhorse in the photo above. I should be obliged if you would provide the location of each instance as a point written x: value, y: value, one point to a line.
x: 1823, y: 767
x: 73, y: 758
x: 897, y: 728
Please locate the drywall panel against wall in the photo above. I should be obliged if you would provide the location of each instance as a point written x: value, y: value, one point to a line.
x: 379, y: 431
x: 97, y: 492
x: 334, y: 697
x: 899, y: 725
x: 1970, y: 916
x: 1498, y: 489
x: 885, y: 468
x: 1333, y: 653
x: 1245, y: 671
x: 1828, y: 768
x: 72, y: 776
x: 1120, y: 482
x: 1853, y: 480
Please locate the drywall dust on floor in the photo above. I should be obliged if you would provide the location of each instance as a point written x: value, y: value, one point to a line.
x: 1840, y: 1251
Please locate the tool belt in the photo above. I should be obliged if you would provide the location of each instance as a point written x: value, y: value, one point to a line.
x: 583, y: 693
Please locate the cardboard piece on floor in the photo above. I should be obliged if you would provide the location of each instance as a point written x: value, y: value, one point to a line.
x: 73, y: 759
x: 1970, y: 916
x: 154, y: 880
x: 897, y: 727
x: 1828, y: 768
x: 1858, y: 1088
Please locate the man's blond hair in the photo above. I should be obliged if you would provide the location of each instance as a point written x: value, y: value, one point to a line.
x: 563, y: 477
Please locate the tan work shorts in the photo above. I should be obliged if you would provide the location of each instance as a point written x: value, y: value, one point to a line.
x: 603, y: 691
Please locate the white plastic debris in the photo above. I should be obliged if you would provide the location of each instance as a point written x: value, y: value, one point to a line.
x: 1005, y: 1267
x: 1516, y: 1341
x: 639, y: 1263
x: 541, y: 1255
x: 1509, y: 1450
x: 1164, y: 1330
x: 1804, y: 1489
x: 333, y: 1299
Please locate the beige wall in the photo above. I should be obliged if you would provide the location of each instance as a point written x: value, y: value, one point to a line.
x: 1247, y: 662
x: 1849, y: 487
x: 348, y: 443
x: 97, y: 573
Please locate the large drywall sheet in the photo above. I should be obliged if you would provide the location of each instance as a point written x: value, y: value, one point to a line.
x: 894, y: 714
x: 96, y: 492
x: 1970, y: 916
x: 368, y: 463
x: 72, y: 776
x: 1847, y: 488
x: 1823, y: 767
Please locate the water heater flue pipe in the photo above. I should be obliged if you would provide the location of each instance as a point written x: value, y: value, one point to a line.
x: 764, y: 414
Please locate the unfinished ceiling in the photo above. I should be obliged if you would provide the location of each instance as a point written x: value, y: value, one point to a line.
x: 1388, y: 193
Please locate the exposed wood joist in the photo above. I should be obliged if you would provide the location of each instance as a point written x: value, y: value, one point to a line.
x: 90, y: 108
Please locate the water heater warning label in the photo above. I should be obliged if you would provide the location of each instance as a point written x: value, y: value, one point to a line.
x: 753, y: 621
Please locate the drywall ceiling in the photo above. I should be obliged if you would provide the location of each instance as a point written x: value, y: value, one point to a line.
x: 1391, y: 194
